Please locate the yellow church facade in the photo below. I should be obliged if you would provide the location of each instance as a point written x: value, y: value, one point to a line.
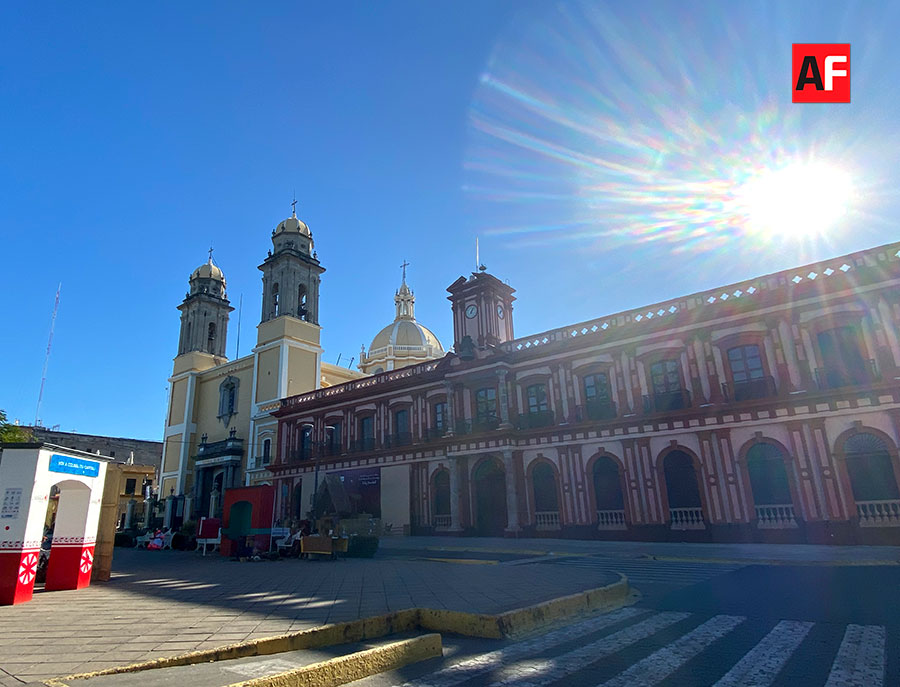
x: 218, y: 432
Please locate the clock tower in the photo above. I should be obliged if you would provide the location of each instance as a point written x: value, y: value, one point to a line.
x: 482, y: 311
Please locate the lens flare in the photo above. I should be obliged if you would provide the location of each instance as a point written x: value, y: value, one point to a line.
x: 615, y: 124
x: 797, y: 200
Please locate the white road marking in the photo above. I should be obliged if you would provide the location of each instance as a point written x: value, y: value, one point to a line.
x: 860, y: 660
x: 762, y: 663
x: 464, y: 670
x: 524, y: 673
x: 660, y: 664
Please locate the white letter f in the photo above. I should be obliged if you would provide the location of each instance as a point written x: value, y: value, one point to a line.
x: 831, y: 72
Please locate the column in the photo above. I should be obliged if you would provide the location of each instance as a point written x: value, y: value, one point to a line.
x: 451, y: 413
x: 890, y: 332
x: 453, y: 464
x: 512, y: 501
x: 170, y: 508
x: 790, y: 354
x: 504, y: 400
x: 129, y: 513
x: 702, y: 371
x: 810, y: 354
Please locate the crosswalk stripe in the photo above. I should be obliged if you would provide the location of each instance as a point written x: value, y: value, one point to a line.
x: 761, y: 664
x: 660, y: 664
x: 558, y: 667
x: 860, y: 659
x: 465, y: 670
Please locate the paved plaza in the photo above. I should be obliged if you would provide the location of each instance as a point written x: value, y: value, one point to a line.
x: 164, y: 603
x: 161, y: 603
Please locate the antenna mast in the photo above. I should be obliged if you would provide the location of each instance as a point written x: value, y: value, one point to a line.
x: 37, y: 412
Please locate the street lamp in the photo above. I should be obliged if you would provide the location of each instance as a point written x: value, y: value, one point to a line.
x: 319, y: 450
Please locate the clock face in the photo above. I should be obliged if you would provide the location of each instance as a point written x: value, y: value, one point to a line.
x: 500, y: 311
x: 471, y: 311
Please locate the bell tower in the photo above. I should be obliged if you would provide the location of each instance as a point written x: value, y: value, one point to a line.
x: 204, y: 312
x: 482, y: 311
x: 291, y: 274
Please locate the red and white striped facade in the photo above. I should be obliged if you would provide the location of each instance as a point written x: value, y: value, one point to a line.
x: 778, y: 396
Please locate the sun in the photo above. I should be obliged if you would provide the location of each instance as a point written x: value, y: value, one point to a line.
x: 801, y: 199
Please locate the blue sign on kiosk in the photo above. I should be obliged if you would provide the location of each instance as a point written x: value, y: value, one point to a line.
x: 74, y: 466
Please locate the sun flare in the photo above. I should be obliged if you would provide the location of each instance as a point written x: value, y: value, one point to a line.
x: 798, y: 200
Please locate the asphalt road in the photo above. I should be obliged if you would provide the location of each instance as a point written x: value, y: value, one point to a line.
x: 699, y: 624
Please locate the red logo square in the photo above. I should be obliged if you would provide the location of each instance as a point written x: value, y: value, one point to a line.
x: 820, y: 73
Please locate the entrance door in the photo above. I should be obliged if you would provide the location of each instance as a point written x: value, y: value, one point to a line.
x: 490, y: 499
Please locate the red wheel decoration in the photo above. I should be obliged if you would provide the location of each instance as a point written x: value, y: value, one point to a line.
x: 87, y: 561
x: 28, y: 568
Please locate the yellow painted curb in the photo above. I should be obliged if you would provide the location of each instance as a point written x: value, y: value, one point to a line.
x: 457, y: 622
x: 362, y: 664
x: 464, y: 561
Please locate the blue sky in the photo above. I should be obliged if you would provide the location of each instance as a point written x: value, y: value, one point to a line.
x: 135, y: 136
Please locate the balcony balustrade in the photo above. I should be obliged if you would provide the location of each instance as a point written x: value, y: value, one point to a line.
x: 300, y: 455
x: 547, y: 520
x: 611, y: 520
x: 398, y: 439
x: 540, y: 418
x: 434, y: 433
x: 598, y: 410
x: 667, y: 401
x: 837, y: 377
x: 752, y: 389
x: 361, y: 445
x: 775, y: 517
x: 878, y: 513
x: 686, y: 519
x: 441, y: 522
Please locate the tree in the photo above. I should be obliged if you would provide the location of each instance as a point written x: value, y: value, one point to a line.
x: 13, y: 433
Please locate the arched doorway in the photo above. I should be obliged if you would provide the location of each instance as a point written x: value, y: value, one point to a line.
x: 685, y: 506
x: 546, y: 497
x: 71, y: 552
x: 440, y: 489
x: 490, y: 498
x: 608, y: 494
x: 770, y: 487
x: 872, y: 479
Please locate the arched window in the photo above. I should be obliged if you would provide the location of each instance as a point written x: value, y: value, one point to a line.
x: 228, y: 391
x: 870, y: 469
x: 275, y: 312
x: 546, y: 498
x: 685, y: 506
x: 267, y: 451
x: 768, y: 477
x: 608, y: 494
x: 665, y: 379
x: 301, y: 303
x: 597, y: 397
x: 211, y: 338
x: 770, y: 487
x: 843, y: 362
x: 441, y: 503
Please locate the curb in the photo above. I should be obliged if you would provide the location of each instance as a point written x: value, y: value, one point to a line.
x: 484, y: 626
x: 344, y: 669
x: 776, y: 561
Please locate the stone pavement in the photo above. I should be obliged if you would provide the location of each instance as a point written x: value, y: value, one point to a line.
x: 162, y: 603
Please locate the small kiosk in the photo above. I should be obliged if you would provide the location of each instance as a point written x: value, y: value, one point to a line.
x: 27, y: 473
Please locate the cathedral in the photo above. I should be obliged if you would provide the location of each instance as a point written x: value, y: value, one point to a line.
x: 219, y: 431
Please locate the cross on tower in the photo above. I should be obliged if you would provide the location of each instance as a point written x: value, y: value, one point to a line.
x: 294, y: 207
x: 210, y: 254
x: 404, y: 266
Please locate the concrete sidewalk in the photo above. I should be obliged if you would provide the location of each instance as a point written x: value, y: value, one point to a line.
x: 163, y: 603
x: 750, y: 553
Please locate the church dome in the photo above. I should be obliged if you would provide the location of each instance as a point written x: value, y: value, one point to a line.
x: 406, y: 333
x: 208, y: 271
x: 293, y: 225
x: 404, y: 341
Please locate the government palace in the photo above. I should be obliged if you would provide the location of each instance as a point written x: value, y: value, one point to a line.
x: 764, y: 410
